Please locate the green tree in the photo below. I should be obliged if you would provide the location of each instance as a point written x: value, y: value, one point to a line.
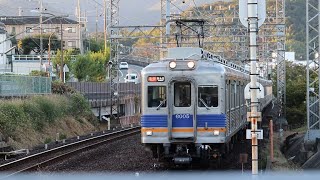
x: 91, y: 67
x: 32, y: 43
x: 93, y: 45
x: 56, y: 61
x: 295, y: 93
x: 80, y: 67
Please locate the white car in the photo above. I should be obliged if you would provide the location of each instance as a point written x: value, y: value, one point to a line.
x: 131, y: 78
x: 123, y: 65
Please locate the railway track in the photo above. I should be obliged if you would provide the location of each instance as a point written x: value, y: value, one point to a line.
x: 45, y: 158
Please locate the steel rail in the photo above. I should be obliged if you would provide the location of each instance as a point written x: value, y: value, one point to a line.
x: 24, y: 164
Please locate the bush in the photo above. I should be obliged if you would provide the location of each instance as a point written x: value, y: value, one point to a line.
x: 79, y: 105
x: 62, y: 136
x: 11, y: 116
x: 61, y: 88
x: 48, y: 107
x: 34, y: 114
x: 47, y: 140
x: 39, y: 111
x: 38, y: 73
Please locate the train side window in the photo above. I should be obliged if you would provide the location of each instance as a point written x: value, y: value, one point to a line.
x: 182, y: 94
x: 157, y: 96
x: 232, y: 95
x: 208, y: 96
x: 227, y: 96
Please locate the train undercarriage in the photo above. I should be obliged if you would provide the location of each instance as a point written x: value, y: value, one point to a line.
x: 184, y: 153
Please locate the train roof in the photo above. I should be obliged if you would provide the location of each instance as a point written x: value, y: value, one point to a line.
x: 207, y: 62
x: 203, y: 66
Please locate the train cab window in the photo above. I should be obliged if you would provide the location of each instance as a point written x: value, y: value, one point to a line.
x: 182, y: 94
x: 208, y: 96
x: 157, y: 96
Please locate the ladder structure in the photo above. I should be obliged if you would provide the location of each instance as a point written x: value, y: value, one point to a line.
x: 313, y: 72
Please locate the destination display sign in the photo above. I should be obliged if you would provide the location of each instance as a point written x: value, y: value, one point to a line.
x: 156, y: 79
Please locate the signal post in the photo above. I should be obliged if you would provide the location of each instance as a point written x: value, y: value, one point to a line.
x: 249, y: 17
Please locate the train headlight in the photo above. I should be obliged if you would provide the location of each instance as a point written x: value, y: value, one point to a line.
x: 216, y: 132
x: 149, y: 133
x: 191, y: 64
x: 172, y: 64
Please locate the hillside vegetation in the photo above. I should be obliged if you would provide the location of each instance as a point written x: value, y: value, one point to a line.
x: 36, y: 120
x: 295, y: 25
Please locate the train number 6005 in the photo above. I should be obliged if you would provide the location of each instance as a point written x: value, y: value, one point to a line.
x: 182, y: 116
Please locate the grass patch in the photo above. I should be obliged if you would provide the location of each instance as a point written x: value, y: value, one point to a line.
x: 48, y: 107
x: 300, y: 129
x: 47, y: 140
x: 40, y: 111
x: 34, y: 114
x: 62, y: 136
x: 79, y: 105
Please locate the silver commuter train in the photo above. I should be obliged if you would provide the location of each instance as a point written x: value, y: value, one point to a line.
x: 193, y: 105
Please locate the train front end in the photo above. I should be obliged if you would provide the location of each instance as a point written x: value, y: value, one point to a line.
x: 182, y: 109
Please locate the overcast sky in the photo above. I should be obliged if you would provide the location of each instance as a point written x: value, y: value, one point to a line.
x: 132, y: 12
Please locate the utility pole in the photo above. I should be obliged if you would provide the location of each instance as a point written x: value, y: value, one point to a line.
x: 80, y: 28
x: 61, y: 47
x: 86, y: 44
x: 114, y: 57
x: 165, y: 30
x: 281, y: 63
x: 41, y: 40
x: 105, y: 25
x: 20, y: 11
x: 96, y: 36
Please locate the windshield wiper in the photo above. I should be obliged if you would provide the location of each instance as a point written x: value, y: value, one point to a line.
x: 161, y: 103
x: 204, y: 103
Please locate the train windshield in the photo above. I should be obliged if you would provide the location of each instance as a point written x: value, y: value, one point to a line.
x: 157, y: 96
x: 182, y: 94
x: 208, y: 96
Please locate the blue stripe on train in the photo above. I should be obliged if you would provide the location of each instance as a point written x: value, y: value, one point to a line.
x: 154, y: 121
x: 212, y: 120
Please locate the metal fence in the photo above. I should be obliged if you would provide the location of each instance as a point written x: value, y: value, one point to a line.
x: 13, y: 85
x: 92, y: 90
x: 36, y: 57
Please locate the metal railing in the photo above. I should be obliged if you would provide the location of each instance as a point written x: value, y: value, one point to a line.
x: 35, y: 57
x: 15, y: 86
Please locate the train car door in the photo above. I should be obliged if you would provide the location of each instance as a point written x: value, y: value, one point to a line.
x: 182, y: 112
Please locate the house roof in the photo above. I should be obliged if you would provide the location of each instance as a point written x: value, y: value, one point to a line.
x: 23, y: 20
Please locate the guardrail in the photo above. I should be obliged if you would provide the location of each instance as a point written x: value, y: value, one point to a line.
x: 35, y: 57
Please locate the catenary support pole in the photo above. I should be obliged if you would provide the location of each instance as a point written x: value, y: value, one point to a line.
x: 253, y: 31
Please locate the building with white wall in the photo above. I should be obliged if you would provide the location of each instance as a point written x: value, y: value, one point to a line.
x: 5, y: 46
